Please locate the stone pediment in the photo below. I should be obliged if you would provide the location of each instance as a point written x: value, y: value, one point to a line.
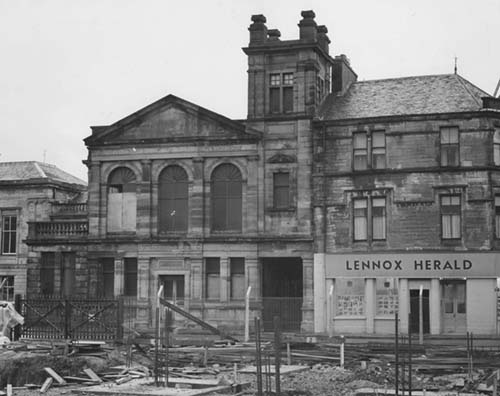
x: 281, y: 158
x: 171, y: 119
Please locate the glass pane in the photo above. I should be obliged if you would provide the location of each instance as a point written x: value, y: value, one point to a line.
x: 287, y: 78
x: 378, y: 160
x: 496, y: 154
x: 360, y: 141
x: 360, y: 203
x: 274, y: 79
x: 360, y: 160
x: 448, y: 307
x: 212, y: 265
x: 287, y: 99
x: 360, y: 226
x: 379, y: 228
x: 378, y: 139
x: 238, y: 286
x: 237, y: 265
x: 274, y: 100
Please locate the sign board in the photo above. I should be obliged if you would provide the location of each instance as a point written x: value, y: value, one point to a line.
x: 413, y: 265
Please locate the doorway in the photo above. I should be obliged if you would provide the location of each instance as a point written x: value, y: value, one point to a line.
x: 415, y: 311
x: 453, y: 306
x: 173, y: 288
x: 282, y: 292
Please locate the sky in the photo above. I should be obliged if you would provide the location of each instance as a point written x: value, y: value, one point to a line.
x: 66, y: 65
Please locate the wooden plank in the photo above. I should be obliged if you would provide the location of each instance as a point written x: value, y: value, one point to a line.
x: 9, y: 389
x: 93, y: 376
x: 123, y: 380
x: 79, y: 379
x: 46, y: 385
x: 54, y: 375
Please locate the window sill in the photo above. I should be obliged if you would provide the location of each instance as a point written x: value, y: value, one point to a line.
x: 279, y: 210
x: 350, y: 317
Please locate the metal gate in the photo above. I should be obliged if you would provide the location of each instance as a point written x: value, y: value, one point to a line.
x: 70, y: 318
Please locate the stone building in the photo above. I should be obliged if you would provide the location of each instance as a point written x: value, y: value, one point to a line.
x: 407, y: 206
x: 29, y: 192
x: 325, y: 174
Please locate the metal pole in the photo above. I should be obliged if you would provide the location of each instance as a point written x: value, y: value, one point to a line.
x: 421, y: 315
x: 157, y: 333
x: 247, y: 314
x: 342, y: 350
x: 396, y: 352
x: 277, y: 354
x: 409, y: 356
x: 403, y: 369
x: 258, y: 362
x: 329, y: 312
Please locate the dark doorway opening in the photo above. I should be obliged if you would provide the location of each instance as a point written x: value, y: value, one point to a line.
x: 415, y: 311
x: 282, y: 292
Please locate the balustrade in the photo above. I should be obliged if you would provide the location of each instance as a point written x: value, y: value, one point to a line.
x: 57, y: 229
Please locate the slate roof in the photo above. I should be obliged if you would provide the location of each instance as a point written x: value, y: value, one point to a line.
x: 444, y: 93
x: 33, y: 170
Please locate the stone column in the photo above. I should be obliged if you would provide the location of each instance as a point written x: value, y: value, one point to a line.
x: 196, y: 200
x: 320, y: 294
x: 307, y: 293
x: 435, y: 307
x: 404, y: 305
x: 224, y: 279
x: 143, y: 284
x: 370, y: 304
x: 119, y: 276
x: 253, y: 277
x: 196, y: 278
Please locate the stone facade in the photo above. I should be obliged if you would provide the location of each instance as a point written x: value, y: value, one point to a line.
x: 323, y: 168
x: 29, y: 192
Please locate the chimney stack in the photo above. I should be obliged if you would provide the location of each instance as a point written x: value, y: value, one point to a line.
x: 274, y: 34
x: 258, y: 30
x: 307, y: 26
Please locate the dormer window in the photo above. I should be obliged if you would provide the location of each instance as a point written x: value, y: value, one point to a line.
x: 281, y: 93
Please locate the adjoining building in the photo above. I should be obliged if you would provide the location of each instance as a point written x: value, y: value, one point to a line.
x: 335, y: 200
x: 407, y: 202
x: 29, y: 192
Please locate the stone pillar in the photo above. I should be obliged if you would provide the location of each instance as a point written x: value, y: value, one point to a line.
x: 143, y: 283
x: 370, y: 304
x: 224, y: 279
x: 196, y: 278
x: 320, y: 294
x: 251, y: 208
x: 404, y: 305
x: 119, y: 276
x: 196, y: 199
x: 435, y: 307
x: 307, y: 293
x: 253, y: 277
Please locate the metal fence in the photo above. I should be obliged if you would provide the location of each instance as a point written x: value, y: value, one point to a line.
x: 53, y: 317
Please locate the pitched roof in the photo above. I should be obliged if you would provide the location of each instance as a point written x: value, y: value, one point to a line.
x: 33, y: 170
x: 445, y: 93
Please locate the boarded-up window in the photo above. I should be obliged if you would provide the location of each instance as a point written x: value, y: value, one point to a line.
x: 226, y: 198
x: 130, y: 277
x: 68, y: 273
x: 212, y: 278
x: 281, y: 190
x: 47, y: 272
x: 237, y: 268
x: 350, y: 293
x: 173, y: 199
x: 122, y: 200
x: 107, y: 273
x: 387, y: 296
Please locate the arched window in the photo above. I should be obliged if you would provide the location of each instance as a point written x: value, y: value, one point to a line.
x: 122, y: 200
x: 226, y: 198
x: 173, y: 199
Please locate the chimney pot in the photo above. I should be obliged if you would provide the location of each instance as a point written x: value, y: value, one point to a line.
x: 323, y: 38
x: 307, y: 26
x: 274, y: 34
x: 258, y: 30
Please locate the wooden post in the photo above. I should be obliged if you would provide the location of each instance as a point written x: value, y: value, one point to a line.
x: 329, y: 307
x: 247, y: 314
x: 157, y: 334
x: 409, y: 356
x: 258, y: 360
x: 288, y: 354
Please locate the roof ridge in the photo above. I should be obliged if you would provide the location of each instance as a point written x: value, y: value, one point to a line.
x: 466, y: 88
x: 39, y: 168
x: 403, y: 78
